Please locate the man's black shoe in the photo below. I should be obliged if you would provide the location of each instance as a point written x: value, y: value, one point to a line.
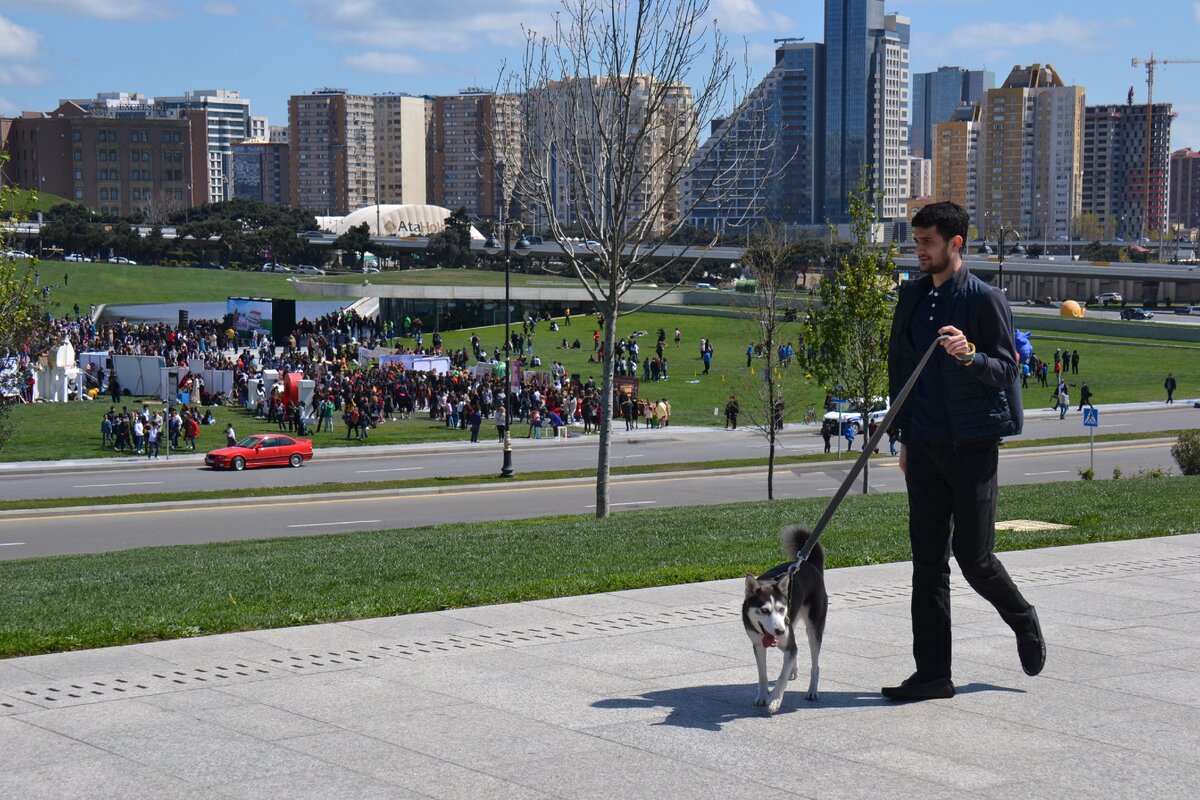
x: 916, y: 689
x: 1031, y: 647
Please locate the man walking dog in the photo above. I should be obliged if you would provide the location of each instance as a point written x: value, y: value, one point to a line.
x: 965, y: 400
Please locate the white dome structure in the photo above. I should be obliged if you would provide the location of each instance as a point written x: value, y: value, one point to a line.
x: 394, y: 220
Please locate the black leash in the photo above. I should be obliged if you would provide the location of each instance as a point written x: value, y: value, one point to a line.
x: 861, y: 462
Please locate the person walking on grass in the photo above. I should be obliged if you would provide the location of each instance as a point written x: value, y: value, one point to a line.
x: 1170, y: 385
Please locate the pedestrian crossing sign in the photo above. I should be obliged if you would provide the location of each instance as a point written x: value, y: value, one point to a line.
x: 1091, y: 418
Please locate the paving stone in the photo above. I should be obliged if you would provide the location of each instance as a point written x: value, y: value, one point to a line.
x: 26, y: 745
x: 318, y: 784
x: 103, y: 777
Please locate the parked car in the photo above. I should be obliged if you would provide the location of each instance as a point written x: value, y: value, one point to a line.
x: 211, y: 265
x: 76, y: 257
x: 1193, y: 310
x: 261, y: 450
x: 16, y: 254
x: 309, y: 269
x: 535, y: 239
x: 844, y: 413
x: 1136, y: 313
x: 121, y: 260
x: 370, y: 270
x: 271, y: 266
x: 1104, y: 298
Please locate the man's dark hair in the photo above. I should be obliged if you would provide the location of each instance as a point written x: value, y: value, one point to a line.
x: 950, y: 219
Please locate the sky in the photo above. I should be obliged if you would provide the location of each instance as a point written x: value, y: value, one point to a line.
x: 270, y: 49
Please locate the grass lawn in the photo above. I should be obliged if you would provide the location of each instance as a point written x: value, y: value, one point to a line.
x: 64, y: 603
x: 1117, y: 371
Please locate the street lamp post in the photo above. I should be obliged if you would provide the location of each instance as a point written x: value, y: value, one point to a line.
x: 1000, y: 234
x: 493, y: 247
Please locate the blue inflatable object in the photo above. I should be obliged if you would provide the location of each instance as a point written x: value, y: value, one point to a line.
x: 1023, y: 344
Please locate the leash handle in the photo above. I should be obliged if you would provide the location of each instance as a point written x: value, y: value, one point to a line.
x: 861, y: 461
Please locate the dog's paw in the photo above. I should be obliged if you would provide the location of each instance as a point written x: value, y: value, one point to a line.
x: 811, y: 696
x: 795, y: 673
x: 773, y: 706
x: 760, y: 699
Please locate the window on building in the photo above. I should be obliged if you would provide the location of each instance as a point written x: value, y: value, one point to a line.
x: 115, y: 194
x: 103, y: 155
x: 78, y: 174
x: 104, y: 194
x: 79, y: 194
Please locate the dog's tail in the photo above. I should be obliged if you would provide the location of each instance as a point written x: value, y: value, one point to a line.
x: 793, y: 538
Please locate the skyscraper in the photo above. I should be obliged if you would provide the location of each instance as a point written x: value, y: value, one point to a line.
x: 788, y: 107
x: 936, y: 96
x: 866, y: 105
x: 1185, y: 188
x: 955, y: 158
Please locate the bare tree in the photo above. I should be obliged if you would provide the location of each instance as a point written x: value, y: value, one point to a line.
x: 161, y: 207
x: 771, y: 262
x: 608, y: 130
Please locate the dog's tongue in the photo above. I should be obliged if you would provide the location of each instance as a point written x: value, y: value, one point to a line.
x: 769, y: 640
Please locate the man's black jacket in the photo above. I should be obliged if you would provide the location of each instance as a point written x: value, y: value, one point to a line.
x: 984, y: 398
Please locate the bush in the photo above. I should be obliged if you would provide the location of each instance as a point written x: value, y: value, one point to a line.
x: 1187, y: 452
x: 1087, y: 474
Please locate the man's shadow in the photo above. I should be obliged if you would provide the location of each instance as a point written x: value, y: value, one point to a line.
x: 710, y: 708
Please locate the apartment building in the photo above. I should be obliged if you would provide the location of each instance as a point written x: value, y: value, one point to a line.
x: 118, y: 166
x: 470, y: 133
x: 1185, y: 188
x: 1030, y: 163
x: 402, y: 124
x: 228, y: 120
x: 955, y: 158
x: 332, y: 137
x: 1114, y: 168
x: 890, y: 116
x: 262, y: 171
x: 578, y: 162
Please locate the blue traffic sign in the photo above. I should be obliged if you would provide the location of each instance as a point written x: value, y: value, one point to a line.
x: 1091, y: 418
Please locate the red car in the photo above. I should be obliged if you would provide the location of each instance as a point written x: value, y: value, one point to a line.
x: 261, y: 450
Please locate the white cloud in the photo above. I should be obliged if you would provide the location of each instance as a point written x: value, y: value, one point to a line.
x: 375, y: 61
x: 1073, y: 33
x: 17, y: 41
x: 222, y: 9
x: 20, y: 75
x: 746, y: 16
x: 101, y: 9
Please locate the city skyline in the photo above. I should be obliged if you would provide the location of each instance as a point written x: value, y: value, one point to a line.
x: 76, y: 48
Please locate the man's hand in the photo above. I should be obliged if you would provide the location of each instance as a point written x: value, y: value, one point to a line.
x: 904, y: 459
x: 957, y: 345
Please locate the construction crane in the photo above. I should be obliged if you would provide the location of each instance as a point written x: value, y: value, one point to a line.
x: 1150, y: 64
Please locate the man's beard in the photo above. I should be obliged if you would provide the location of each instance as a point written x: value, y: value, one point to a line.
x: 934, y: 266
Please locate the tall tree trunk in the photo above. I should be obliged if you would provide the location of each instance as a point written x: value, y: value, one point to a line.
x: 611, y: 310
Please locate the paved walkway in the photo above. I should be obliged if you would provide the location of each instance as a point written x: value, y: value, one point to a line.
x: 639, y: 694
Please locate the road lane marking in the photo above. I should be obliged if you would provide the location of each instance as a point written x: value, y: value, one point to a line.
x: 103, y: 485
x: 634, y: 503
x: 327, y: 500
x: 633, y: 455
x: 11, y: 544
x: 1051, y: 472
x: 347, y: 522
x: 389, y: 469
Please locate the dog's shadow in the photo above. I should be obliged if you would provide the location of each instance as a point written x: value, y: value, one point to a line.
x: 710, y: 708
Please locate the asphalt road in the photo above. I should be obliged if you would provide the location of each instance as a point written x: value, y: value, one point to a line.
x: 28, y: 534
x: 336, y: 465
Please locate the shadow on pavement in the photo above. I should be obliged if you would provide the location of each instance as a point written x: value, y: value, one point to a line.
x: 712, y: 707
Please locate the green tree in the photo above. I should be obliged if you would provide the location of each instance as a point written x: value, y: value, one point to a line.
x: 357, y: 240
x: 846, y: 333
x: 451, y: 247
x: 26, y: 328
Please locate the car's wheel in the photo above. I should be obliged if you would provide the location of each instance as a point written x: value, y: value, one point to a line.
x: 238, y: 464
x: 296, y: 460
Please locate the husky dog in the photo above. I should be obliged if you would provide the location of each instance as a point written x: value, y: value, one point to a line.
x: 774, y: 602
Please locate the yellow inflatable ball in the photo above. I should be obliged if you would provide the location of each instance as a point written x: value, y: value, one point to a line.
x: 1070, y: 308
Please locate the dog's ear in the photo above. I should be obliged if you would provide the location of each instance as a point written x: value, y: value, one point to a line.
x: 751, y: 583
x: 784, y: 583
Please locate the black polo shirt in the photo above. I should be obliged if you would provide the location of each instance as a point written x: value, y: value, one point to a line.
x: 930, y: 421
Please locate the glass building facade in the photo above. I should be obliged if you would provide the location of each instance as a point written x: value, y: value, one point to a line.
x: 935, y: 98
x: 853, y: 29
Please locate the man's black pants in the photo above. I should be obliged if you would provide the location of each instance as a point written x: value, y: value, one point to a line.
x: 952, y: 508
